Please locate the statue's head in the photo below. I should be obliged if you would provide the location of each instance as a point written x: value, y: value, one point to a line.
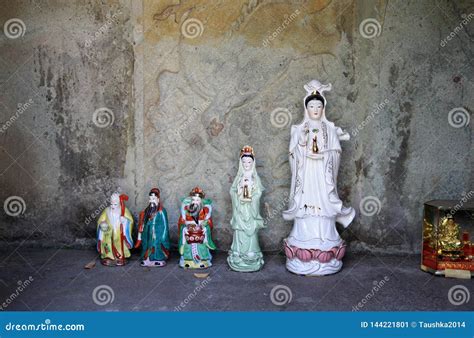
x: 195, y: 205
x: 315, y: 101
x: 314, y: 104
x: 247, y: 163
x: 115, y: 201
x: 154, y: 197
x: 197, y: 194
x: 154, y: 203
x: 247, y: 157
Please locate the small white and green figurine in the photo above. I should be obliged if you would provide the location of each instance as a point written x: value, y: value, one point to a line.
x: 245, y: 254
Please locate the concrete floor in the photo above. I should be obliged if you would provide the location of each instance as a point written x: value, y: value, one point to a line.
x: 61, y: 283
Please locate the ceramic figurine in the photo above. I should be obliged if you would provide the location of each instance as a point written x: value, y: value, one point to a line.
x: 245, y: 254
x: 114, y: 232
x: 194, y: 229
x: 314, y: 246
x: 153, y: 232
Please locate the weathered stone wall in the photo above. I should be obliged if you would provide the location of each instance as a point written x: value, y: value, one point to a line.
x: 133, y: 94
x: 53, y: 156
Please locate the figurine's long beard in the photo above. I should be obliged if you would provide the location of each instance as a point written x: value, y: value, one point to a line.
x: 150, y: 210
x: 115, y: 211
x: 194, y: 210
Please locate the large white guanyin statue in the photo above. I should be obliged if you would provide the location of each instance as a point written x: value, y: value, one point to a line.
x: 314, y: 246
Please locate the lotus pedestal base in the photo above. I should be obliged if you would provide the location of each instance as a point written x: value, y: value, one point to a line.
x: 314, y: 262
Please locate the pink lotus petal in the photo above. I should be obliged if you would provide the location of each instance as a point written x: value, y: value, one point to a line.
x: 315, y: 253
x: 289, y: 252
x: 304, y: 255
x: 341, y: 252
x: 325, y: 256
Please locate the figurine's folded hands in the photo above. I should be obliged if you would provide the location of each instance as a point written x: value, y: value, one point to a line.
x: 242, y: 199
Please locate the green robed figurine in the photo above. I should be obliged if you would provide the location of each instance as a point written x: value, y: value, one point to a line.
x: 245, y: 254
x: 153, y: 232
x: 194, y: 229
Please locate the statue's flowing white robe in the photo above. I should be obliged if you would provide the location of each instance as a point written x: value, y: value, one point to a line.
x: 315, y: 205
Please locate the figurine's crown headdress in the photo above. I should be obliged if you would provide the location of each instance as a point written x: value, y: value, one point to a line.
x: 315, y: 90
x: 247, y: 151
x: 197, y: 192
x: 316, y: 86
